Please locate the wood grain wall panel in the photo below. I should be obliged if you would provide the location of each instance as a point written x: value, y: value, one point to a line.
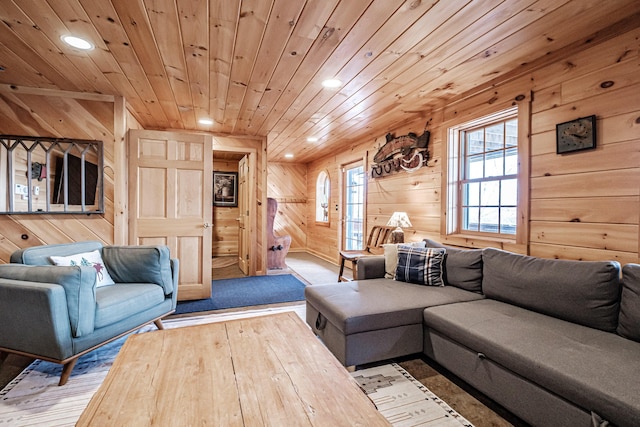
x: 287, y: 183
x: 583, y: 205
x: 616, y: 237
x: 612, y: 210
x: 583, y: 254
x: 225, y: 231
x: 63, y: 117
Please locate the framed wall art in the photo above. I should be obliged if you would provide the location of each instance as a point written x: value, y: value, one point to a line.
x: 225, y: 189
x: 576, y: 135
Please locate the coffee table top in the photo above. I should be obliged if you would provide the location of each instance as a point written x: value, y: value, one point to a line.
x: 267, y: 370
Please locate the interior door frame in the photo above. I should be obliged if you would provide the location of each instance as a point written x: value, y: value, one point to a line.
x: 252, y: 155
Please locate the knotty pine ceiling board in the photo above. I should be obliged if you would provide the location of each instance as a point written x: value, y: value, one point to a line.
x: 255, y: 66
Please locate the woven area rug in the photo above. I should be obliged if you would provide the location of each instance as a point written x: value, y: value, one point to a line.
x: 34, y: 398
x: 403, y: 400
x: 246, y: 292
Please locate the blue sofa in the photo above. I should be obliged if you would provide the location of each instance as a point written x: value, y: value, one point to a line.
x: 57, y: 313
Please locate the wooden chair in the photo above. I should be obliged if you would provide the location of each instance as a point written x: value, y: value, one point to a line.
x: 378, y: 236
x: 277, y: 246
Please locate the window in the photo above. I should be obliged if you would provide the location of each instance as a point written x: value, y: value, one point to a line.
x: 482, y: 196
x: 322, y: 197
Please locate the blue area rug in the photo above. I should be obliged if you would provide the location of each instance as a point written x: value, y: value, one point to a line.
x: 247, y: 291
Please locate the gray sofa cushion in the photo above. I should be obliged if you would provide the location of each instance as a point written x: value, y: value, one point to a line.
x: 125, y: 265
x: 563, y: 357
x: 462, y: 267
x: 629, y: 321
x: 374, y: 304
x: 584, y: 292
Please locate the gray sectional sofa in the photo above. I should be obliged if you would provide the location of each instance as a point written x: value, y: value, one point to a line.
x: 555, y: 342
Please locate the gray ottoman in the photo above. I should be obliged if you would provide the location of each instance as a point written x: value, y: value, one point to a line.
x: 376, y: 319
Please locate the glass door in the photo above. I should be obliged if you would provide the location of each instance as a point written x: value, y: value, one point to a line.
x: 353, y: 209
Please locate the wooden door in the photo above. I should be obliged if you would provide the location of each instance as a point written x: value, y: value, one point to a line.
x: 243, y: 217
x: 170, y: 195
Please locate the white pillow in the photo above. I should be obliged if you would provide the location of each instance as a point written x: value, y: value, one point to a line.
x: 89, y: 259
x: 391, y: 256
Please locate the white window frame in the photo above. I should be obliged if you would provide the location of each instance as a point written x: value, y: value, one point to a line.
x: 452, y: 188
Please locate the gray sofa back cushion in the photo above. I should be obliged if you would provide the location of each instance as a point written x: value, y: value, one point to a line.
x: 583, y: 292
x: 462, y: 267
x: 629, y: 321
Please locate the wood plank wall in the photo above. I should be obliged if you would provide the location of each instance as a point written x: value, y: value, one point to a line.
x: 287, y: 183
x: 63, y: 117
x: 583, y: 205
x: 225, y: 219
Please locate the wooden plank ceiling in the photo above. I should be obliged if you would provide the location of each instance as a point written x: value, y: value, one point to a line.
x: 255, y: 66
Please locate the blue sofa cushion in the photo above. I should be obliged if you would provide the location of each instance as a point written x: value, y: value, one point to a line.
x: 140, y: 264
x: 583, y: 292
x: 39, y: 255
x: 122, y: 300
x: 79, y: 285
x: 629, y: 321
x: 462, y: 267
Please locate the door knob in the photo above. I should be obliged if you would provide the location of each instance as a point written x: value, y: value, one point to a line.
x: 207, y: 225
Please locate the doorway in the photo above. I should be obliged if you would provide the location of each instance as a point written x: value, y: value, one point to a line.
x: 230, y: 248
x: 354, y: 181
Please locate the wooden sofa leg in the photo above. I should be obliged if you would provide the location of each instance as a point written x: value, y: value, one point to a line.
x: 66, y: 371
x: 159, y: 324
x: 3, y: 356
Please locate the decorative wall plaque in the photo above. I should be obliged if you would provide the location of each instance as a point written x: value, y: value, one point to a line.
x: 404, y: 153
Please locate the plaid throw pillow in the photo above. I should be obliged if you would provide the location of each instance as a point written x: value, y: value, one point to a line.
x: 422, y: 266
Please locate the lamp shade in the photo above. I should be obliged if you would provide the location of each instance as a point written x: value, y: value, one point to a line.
x: 399, y: 219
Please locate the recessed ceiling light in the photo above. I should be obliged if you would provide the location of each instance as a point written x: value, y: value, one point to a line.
x: 205, y: 121
x: 332, y: 83
x: 312, y: 139
x: 288, y: 156
x: 77, y: 42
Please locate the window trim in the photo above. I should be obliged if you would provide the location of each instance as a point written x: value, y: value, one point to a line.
x: 450, y: 183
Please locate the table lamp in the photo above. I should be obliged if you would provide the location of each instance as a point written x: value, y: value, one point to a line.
x: 398, y: 220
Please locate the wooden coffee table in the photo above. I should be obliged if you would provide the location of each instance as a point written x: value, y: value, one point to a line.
x: 268, y: 370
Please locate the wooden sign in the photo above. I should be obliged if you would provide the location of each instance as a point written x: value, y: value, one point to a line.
x: 406, y: 153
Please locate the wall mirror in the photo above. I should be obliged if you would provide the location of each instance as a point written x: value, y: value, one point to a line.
x: 50, y: 175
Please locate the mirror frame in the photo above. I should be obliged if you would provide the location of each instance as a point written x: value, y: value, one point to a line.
x: 65, y: 147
